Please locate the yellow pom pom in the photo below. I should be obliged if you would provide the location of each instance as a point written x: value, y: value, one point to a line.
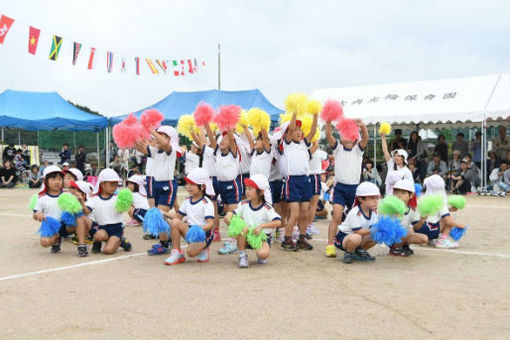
x: 385, y: 128
x: 306, y: 124
x: 316, y: 136
x: 285, y: 117
x: 259, y: 120
x: 243, y: 120
x: 296, y: 103
x: 185, y: 125
x: 314, y: 106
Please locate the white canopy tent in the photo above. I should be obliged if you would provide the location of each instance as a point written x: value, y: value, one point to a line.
x: 459, y: 102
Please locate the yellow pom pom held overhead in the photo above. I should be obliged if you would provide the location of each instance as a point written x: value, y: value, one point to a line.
x: 185, y: 125
x: 314, y: 106
x: 296, y: 103
x: 243, y: 120
x: 385, y: 128
x: 259, y: 120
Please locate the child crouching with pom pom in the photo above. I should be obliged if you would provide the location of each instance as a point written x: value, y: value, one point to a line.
x: 259, y: 220
x: 411, y: 219
x: 198, y: 210
x: 353, y: 235
x: 82, y: 190
x: 140, y: 205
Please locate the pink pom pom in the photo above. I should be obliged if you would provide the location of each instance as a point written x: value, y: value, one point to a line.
x: 331, y: 111
x: 228, y: 117
x: 151, y: 119
x: 125, y: 135
x: 348, y: 129
x: 203, y: 114
x: 130, y: 120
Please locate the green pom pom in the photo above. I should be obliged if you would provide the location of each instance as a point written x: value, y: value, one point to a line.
x: 391, y: 205
x: 69, y: 203
x: 236, y: 226
x: 430, y: 205
x: 255, y: 241
x: 457, y: 201
x: 33, y: 201
x: 124, y: 200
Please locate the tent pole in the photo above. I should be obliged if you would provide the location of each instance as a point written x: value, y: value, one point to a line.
x: 107, y: 149
x: 2, y: 135
x: 483, y: 160
x: 19, y: 137
x: 98, y: 153
x: 375, y: 146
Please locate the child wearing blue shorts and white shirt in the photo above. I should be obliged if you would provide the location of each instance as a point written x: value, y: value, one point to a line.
x: 353, y: 235
x: 140, y: 205
x: 348, y: 158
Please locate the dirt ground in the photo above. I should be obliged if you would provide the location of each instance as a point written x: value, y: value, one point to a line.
x: 457, y: 294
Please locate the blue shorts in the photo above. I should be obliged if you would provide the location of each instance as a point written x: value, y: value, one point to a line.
x: 315, y: 181
x: 344, y: 194
x: 276, y: 190
x: 269, y: 241
x: 149, y: 186
x: 339, y: 239
x: 430, y: 229
x: 241, y: 178
x: 298, y: 189
x: 139, y: 214
x: 165, y: 192
x: 230, y: 191
x: 111, y: 229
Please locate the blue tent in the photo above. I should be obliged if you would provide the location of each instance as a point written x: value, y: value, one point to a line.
x: 179, y: 103
x: 45, y: 111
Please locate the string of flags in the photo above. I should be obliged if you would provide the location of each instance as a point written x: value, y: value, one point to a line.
x: 158, y: 66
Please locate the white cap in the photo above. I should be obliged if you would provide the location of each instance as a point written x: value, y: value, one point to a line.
x: 77, y: 173
x: 367, y: 189
x: 49, y: 170
x: 174, y: 136
x: 259, y: 181
x: 284, y: 127
x: 65, y: 164
x: 200, y: 176
x: 392, y: 178
x: 106, y: 175
x: 83, y: 186
x: 400, y: 152
x: 434, y: 184
x: 138, y: 179
x: 404, y: 184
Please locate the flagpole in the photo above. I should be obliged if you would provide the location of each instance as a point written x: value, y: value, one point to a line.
x: 219, y: 66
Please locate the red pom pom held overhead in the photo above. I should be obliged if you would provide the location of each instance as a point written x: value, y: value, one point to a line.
x: 332, y: 111
x: 203, y: 114
x: 228, y: 117
x: 151, y: 119
x: 348, y: 129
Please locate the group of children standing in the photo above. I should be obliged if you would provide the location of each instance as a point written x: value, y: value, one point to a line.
x: 271, y: 181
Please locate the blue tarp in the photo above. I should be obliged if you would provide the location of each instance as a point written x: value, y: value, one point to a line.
x: 45, y: 111
x: 179, y: 103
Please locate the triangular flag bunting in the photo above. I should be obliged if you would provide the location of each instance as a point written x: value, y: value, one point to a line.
x: 33, y: 39
x: 76, y: 51
x: 176, y: 68
x: 5, y: 26
x: 55, y: 47
x: 91, y: 58
x: 151, y: 66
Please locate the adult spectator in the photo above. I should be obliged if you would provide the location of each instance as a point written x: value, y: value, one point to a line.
x: 461, y: 145
x: 462, y: 181
x: 25, y: 153
x: 370, y: 173
x: 44, y: 166
x: 437, y: 166
x: 476, y: 149
x: 454, y: 163
x: 501, y: 144
x: 9, y: 153
x: 398, y: 142
x: 500, y: 178
x: 417, y: 176
x: 65, y: 154
x: 34, y: 179
x: 475, y: 169
x: 442, y: 148
x: 8, y: 176
x: 113, y: 152
x: 412, y: 144
x: 81, y: 158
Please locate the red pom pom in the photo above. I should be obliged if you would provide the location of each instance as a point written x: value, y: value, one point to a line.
x: 348, y: 129
x: 130, y: 120
x: 125, y: 135
x: 203, y: 114
x: 227, y: 117
x: 151, y: 119
x: 332, y: 111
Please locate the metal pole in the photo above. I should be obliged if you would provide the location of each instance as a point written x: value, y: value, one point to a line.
x: 19, y: 137
x: 484, y: 126
x: 98, y: 152
x: 483, y: 160
x: 219, y: 66
x: 107, y: 149
x: 375, y: 146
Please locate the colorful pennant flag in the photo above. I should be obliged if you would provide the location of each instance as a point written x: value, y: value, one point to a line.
x: 182, y: 68
x: 195, y: 65
x: 161, y: 64
x: 5, y: 26
x: 153, y: 68
x: 176, y: 68
x: 55, y: 47
x: 76, y: 51
x: 123, y: 65
x: 109, y: 62
x: 33, y: 39
x: 91, y: 58
x: 137, y: 62
x: 190, y: 66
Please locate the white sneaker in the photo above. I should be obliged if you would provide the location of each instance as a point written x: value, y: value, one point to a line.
x: 260, y: 261
x: 175, y: 258
x: 432, y: 243
x: 312, y: 229
x: 243, y: 260
x: 445, y: 243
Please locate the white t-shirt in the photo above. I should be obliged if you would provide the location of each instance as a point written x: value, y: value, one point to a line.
x: 255, y: 217
x: 48, y: 205
x: 243, y: 148
x: 405, y: 170
x: 197, y: 212
x: 103, y: 210
x: 356, y: 220
x: 208, y: 160
x: 148, y: 167
x: 316, y: 161
x: 140, y: 202
x: 410, y: 218
x: 261, y: 163
x: 274, y: 173
x: 226, y: 167
x: 163, y: 166
x: 298, y: 157
x: 348, y: 163
x: 192, y: 162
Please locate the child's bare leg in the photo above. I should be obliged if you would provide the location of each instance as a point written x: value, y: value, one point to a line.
x: 293, y: 218
x: 351, y: 242
x: 417, y: 238
x: 82, y: 229
x: 241, y: 242
x: 303, y: 217
x: 314, y: 202
x: 101, y: 236
x: 367, y: 242
x: 263, y: 252
x: 195, y: 248
x: 48, y: 241
x: 111, y: 246
x: 178, y: 229
x: 131, y: 211
x: 338, y: 210
x: 164, y: 208
x: 152, y: 202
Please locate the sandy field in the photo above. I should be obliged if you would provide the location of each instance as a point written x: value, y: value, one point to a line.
x: 434, y: 294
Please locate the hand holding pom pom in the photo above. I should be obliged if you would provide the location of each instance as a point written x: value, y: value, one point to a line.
x: 124, y: 200
x: 69, y: 203
x: 348, y: 129
x: 154, y: 223
x: 228, y: 117
x: 296, y: 103
x: 255, y: 240
x: 430, y: 205
x: 195, y: 234
x: 236, y: 226
x: 332, y: 111
x: 151, y: 119
x: 186, y: 125
x: 314, y: 106
x: 127, y: 132
x: 387, y: 230
x: 49, y: 227
x: 391, y: 206
x: 384, y: 129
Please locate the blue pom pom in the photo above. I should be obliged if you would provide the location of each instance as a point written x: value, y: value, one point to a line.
x: 154, y: 223
x: 456, y: 233
x: 387, y: 230
x: 417, y: 189
x: 68, y: 218
x: 49, y: 227
x: 195, y: 234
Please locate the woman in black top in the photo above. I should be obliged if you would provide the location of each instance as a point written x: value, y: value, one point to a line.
x: 7, y: 175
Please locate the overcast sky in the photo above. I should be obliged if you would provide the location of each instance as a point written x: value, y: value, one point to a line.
x: 277, y: 46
